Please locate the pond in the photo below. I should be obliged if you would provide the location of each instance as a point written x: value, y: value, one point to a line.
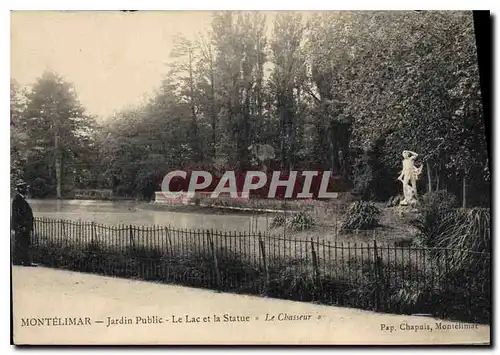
x: 132, y: 212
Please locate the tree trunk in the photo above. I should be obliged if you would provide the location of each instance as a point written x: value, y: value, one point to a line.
x: 195, y: 143
x: 283, y: 132
x: 57, y: 164
x: 212, y: 108
x: 331, y: 143
x: 437, y: 180
x: 464, y: 192
x: 429, y: 176
x: 246, y: 130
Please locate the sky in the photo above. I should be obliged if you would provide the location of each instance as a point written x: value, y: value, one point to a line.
x: 112, y: 58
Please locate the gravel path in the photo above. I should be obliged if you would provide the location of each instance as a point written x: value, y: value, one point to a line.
x: 45, y: 296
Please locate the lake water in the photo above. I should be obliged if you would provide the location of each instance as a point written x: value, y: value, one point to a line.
x: 130, y: 212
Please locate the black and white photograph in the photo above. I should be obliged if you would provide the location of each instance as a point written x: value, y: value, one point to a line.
x: 250, y: 177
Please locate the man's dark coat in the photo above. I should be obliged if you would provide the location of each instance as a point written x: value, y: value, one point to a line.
x: 22, y: 224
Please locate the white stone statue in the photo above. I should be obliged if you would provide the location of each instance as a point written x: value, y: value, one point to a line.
x: 409, y: 176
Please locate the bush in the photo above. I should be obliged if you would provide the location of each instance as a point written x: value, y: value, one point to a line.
x: 297, y: 222
x: 462, y: 242
x: 435, y: 216
x: 431, y: 225
x: 443, y: 226
x: 467, y: 235
x: 440, y: 200
x: 472, y: 231
x: 123, y: 190
x: 300, y: 221
x: 278, y: 221
x: 361, y: 215
x: 41, y: 188
x: 295, y: 280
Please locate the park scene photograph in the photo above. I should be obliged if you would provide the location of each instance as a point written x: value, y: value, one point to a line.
x: 335, y: 158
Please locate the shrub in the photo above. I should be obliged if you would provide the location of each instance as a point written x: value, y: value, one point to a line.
x: 440, y: 200
x: 440, y: 225
x: 297, y: 222
x: 431, y: 225
x: 295, y: 280
x: 238, y: 273
x: 462, y: 241
x: 472, y: 232
x: 123, y: 190
x: 300, y: 221
x: 41, y: 188
x: 363, y: 178
x: 435, y: 216
x: 361, y: 215
x: 466, y: 234
x: 278, y: 221
x: 87, y: 258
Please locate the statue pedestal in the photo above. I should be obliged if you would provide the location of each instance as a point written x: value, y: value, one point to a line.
x: 408, y: 203
x: 406, y: 210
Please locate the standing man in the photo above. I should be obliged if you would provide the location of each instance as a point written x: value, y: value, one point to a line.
x: 22, y: 224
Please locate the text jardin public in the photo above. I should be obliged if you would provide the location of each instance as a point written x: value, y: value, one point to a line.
x: 175, y: 319
x: 301, y: 185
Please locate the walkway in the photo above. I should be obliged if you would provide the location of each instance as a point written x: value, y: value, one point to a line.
x: 188, y: 316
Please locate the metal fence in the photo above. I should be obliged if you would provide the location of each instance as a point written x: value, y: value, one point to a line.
x: 362, y: 275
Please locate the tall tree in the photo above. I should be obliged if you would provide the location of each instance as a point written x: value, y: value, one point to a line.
x: 186, y: 54
x: 289, y: 71
x: 207, y: 84
x: 57, y: 125
x: 329, y: 77
x: 18, y: 131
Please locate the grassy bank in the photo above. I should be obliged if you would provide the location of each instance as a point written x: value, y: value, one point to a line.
x: 262, y: 204
x: 200, y: 209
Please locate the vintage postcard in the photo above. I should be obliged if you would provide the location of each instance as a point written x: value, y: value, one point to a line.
x: 257, y: 178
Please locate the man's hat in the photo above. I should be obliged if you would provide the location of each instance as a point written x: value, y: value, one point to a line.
x: 21, y: 184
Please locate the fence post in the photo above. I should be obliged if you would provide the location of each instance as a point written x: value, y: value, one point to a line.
x: 80, y: 238
x: 63, y: 227
x: 214, y: 256
x: 131, y: 236
x: 446, y: 270
x: 263, y: 253
x: 315, y: 264
x: 336, y: 224
x: 92, y: 236
x: 34, y: 234
x: 377, y: 275
x: 284, y: 223
x: 168, y: 240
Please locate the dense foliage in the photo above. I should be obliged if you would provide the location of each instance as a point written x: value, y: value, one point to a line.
x: 361, y: 215
x: 342, y: 91
x: 463, y: 234
x: 296, y: 222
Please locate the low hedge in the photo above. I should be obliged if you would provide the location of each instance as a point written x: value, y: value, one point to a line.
x: 384, y: 286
